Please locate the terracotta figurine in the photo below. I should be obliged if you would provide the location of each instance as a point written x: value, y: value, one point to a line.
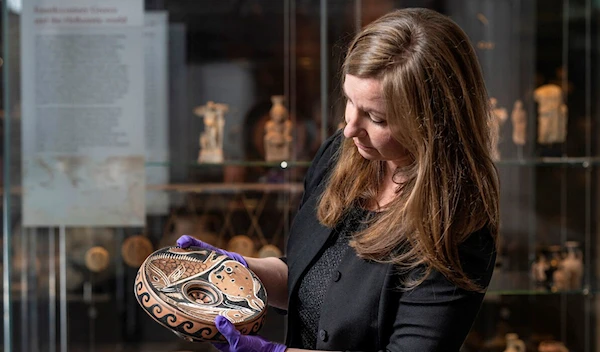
x: 552, y: 114
x: 278, y: 132
x: 519, y: 121
x: 211, y: 140
x: 499, y: 116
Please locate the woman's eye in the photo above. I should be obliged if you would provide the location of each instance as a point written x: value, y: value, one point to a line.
x: 377, y: 121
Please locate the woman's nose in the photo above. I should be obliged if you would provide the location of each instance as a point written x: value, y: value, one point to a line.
x: 353, y: 127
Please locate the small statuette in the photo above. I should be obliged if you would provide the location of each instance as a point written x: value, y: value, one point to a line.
x: 211, y: 140
x: 552, y: 114
x: 514, y: 344
x: 499, y: 116
x: 135, y: 250
x: 557, y: 274
x: 539, y: 271
x: 185, y: 289
x: 573, y: 265
x: 278, y: 132
x: 97, y: 259
x: 519, y: 122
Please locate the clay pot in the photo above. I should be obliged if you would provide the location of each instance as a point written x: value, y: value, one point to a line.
x: 243, y: 245
x: 552, y: 346
x: 135, y: 250
x: 186, y: 289
x: 269, y: 250
x: 97, y: 259
x: 200, y: 227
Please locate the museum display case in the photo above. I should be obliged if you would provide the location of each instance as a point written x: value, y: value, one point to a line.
x: 127, y: 124
x: 540, y: 63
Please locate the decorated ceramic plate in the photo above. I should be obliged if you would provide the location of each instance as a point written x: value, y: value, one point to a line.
x: 185, y: 289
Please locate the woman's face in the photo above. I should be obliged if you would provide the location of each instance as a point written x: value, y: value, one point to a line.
x: 366, y: 122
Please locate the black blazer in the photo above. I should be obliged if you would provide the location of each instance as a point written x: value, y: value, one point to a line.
x: 363, y: 310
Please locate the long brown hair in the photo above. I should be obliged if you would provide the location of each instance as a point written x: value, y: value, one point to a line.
x: 437, y: 108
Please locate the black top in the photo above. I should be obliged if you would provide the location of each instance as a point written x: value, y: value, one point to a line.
x: 315, y: 282
x: 362, y: 308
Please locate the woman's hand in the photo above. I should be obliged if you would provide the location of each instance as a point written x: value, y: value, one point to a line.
x: 236, y: 342
x: 189, y: 241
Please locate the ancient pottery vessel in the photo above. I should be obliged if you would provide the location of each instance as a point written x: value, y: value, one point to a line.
x: 186, y: 289
x: 552, y: 346
x: 269, y: 250
x: 243, y: 245
x: 135, y: 250
x: 97, y: 259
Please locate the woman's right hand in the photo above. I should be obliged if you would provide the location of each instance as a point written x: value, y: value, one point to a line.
x: 189, y: 241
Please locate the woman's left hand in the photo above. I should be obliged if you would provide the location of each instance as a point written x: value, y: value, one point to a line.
x: 236, y: 342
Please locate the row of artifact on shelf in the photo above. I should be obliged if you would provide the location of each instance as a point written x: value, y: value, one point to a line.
x: 507, y: 338
x: 137, y: 248
x: 277, y: 137
x: 559, y: 268
x: 552, y: 114
x: 515, y: 344
x: 91, y: 253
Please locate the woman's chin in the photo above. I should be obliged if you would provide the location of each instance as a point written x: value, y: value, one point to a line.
x: 365, y: 154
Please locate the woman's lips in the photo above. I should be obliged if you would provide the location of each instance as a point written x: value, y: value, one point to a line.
x: 361, y: 146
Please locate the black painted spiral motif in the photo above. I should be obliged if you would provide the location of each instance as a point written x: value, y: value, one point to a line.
x: 144, y: 297
x: 256, y: 327
x: 206, y: 331
x: 188, y: 328
x: 253, y: 329
x: 156, y: 309
x: 171, y: 319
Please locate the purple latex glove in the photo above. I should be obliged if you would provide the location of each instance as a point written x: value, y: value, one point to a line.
x: 189, y: 241
x: 243, y: 343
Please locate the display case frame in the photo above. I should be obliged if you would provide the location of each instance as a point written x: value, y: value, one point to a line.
x: 244, y: 52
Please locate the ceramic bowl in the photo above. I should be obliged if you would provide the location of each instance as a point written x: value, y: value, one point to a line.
x: 186, y: 289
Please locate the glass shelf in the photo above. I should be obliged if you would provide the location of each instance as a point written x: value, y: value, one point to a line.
x: 294, y: 187
x: 249, y: 163
x: 228, y: 187
x: 525, y: 292
x: 70, y: 297
x: 541, y: 161
x: 552, y: 161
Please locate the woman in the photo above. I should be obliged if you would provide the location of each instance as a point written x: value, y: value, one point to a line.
x: 393, y: 245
